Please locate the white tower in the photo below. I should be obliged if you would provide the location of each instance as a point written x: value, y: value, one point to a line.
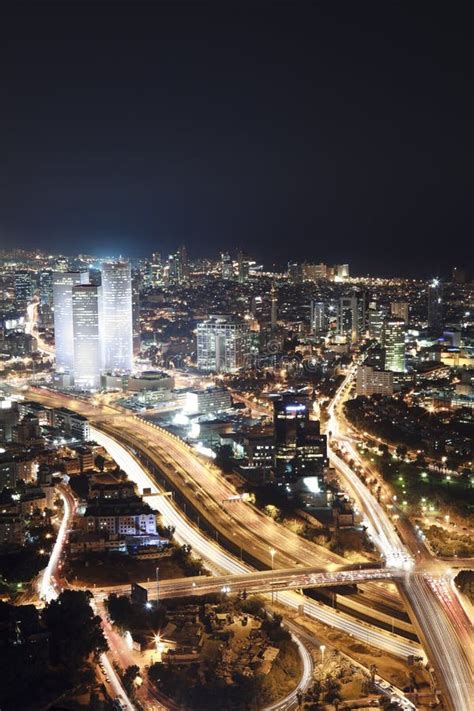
x: 117, y: 339
x: 63, y: 331
x: 86, y: 317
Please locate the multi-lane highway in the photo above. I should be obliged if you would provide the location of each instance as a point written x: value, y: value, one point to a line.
x: 256, y: 582
x: 441, y: 621
x: 257, y: 534
x: 225, y: 561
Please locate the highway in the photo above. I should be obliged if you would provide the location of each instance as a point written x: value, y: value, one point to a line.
x: 443, y: 626
x: 209, y: 550
x: 256, y: 582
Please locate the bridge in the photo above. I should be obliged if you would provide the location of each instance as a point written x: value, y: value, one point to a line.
x: 255, y: 582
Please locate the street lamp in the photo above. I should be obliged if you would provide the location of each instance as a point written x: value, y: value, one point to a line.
x: 322, y: 648
x: 272, y: 553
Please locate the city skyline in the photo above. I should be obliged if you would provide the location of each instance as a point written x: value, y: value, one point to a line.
x: 236, y: 356
x: 334, y: 134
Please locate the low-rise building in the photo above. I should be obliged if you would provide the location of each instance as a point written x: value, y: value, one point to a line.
x: 206, y: 402
x: 12, y: 529
x: 127, y: 517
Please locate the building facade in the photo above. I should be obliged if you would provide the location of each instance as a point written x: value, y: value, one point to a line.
x: 117, y: 316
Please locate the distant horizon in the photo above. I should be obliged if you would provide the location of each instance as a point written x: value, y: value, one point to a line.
x: 444, y: 274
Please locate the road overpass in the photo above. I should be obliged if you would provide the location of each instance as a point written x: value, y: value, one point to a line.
x: 254, y: 582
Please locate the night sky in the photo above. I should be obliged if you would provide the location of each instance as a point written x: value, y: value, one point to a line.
x: 332, y: 131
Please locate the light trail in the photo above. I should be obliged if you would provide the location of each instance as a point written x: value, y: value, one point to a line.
x: 187, y: 533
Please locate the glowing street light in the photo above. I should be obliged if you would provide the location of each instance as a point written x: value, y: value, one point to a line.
x: 272, y: 553
x: 322, y: 649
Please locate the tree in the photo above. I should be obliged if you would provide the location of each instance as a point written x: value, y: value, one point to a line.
x: 75, y: 632
x: 129, y: 676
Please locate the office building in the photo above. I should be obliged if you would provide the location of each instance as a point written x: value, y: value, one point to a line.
x: 352, y: 314
x: 136, y: 314
x: 223, y: 344
x: 300, y: 448
x: 370, y: 381
x: 24, y: 288
x: 243, y: 268
x: 86, y: 319
x: 394, y: 344
x: 117, y: 324
x: 318, y: 318
x: 273, y: 308
x: 45, y: 283
x: 227, y: 266
x: 63, y: 283
x: 295, y: 273
x: 435, y: 306
x: 376, y: 318
x: 399, y: 309
x: 206, y: 402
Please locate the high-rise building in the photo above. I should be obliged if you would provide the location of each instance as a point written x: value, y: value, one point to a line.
x: 243, y: 268
x: 86, y: 319
x: 227, y: 266
x: 376, y: 320
x: 352, y: 316
x: 136, y: 314
x: 300, y: 448
x: 45, y: 283
x: 223, y: 344
x: 435, y: 306
x: 318, y: 318
x: 295, y: 272
x: 394, y: 344
x: 399, y: 309
x: 117, y: 316
x: 63, y: 328
x: 24, y: 288
x: 273, y: 308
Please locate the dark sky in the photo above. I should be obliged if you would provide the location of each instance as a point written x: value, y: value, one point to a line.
x: 335, y: 131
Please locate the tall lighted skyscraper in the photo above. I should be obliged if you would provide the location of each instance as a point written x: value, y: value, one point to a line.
x: 86, y: 318
x: 117, y: 323
x: 435, y: 306
x: 63, y: 283
x: 223, y: 344
x: 394, y: 344
x: 318, y: 318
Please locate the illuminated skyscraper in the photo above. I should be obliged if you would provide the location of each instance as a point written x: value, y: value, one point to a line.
x: 435, y: 306
x: 318, y: 318
x: 394, y: 344
x: 399, y: 309
x: 223, y: 344
x: 273, y: 308
x: 86, y: 318
x: 300, y: 448
x: 63, y: 329
x: 24, y: 288
x: 117, y: 324
x: 227, y: 266
x: 136, y: 313
x: 352, y: 316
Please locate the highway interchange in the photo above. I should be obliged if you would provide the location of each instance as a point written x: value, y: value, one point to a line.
x: 441, y: 621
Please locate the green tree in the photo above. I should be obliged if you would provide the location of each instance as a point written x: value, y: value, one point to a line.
x: 129, y: 676
x: 75, y: 632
